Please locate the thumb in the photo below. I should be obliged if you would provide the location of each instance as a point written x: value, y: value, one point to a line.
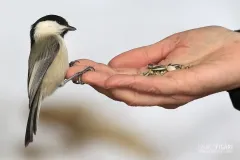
x: 142, y: 56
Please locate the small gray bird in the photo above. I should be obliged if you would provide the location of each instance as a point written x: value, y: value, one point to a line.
x: 47, y: 65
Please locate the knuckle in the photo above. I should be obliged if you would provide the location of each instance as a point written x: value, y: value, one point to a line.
x: 115, y: 94
x: 114, y: 98
x: 133, y: 100
x: 189, y: 99
x: 172, y: 105
x: 130, y: 103
x: 131, y: 84
x: 133, y: 81
x: 154, y: 89
x: 167, y: 106
x: 113, y: 63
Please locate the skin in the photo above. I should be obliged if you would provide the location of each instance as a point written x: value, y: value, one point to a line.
x: 212, y: 51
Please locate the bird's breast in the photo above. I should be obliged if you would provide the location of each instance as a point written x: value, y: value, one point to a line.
x: 57, y: 71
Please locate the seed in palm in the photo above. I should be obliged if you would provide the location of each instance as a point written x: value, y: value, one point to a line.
x: 162, y: 69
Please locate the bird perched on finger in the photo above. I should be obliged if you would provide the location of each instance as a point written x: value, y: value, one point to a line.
x: 47, y: 65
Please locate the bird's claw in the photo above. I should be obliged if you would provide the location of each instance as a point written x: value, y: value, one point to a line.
x: 72, y: 63
x: 79, y: 75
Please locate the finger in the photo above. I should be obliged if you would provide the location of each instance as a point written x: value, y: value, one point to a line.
x: 95, y: 78
x: 99, y: 78
x: 130, y: 96
x: 142, y: 56
x: 133, y: 98
x: 129, y: 71
x: 125, y: 96
x: 155, y: 85
x: 83, y: 63
x: 175, y: 82
x: 103, y: 91
x: 100, y: 75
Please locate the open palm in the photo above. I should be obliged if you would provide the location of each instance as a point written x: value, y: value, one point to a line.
x: 211, y: 51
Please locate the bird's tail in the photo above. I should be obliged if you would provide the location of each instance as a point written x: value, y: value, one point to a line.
x: 33, y: 118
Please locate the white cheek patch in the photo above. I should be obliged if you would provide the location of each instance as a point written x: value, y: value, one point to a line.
x: 47, y: 28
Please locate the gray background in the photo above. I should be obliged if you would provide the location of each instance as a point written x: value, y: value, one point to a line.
x: 79, y: 123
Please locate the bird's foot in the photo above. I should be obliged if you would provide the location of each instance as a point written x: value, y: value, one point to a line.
x: 77, y: 75
x: 72, y: 63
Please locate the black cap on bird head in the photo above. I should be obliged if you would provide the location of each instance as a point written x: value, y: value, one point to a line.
x: 50, y: 24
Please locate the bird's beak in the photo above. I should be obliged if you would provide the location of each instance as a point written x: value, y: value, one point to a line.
x: 71, y: 28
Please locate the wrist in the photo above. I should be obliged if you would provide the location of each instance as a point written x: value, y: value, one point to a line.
x: 234, y: 93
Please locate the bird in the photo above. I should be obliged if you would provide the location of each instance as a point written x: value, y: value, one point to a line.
x: 47, y: 65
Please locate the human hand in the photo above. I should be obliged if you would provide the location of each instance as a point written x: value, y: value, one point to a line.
x: 212, y: 51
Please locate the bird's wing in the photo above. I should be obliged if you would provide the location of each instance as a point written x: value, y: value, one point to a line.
x: 43, y: 52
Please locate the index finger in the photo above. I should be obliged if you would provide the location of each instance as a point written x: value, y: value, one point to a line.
x: 142, y: 56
